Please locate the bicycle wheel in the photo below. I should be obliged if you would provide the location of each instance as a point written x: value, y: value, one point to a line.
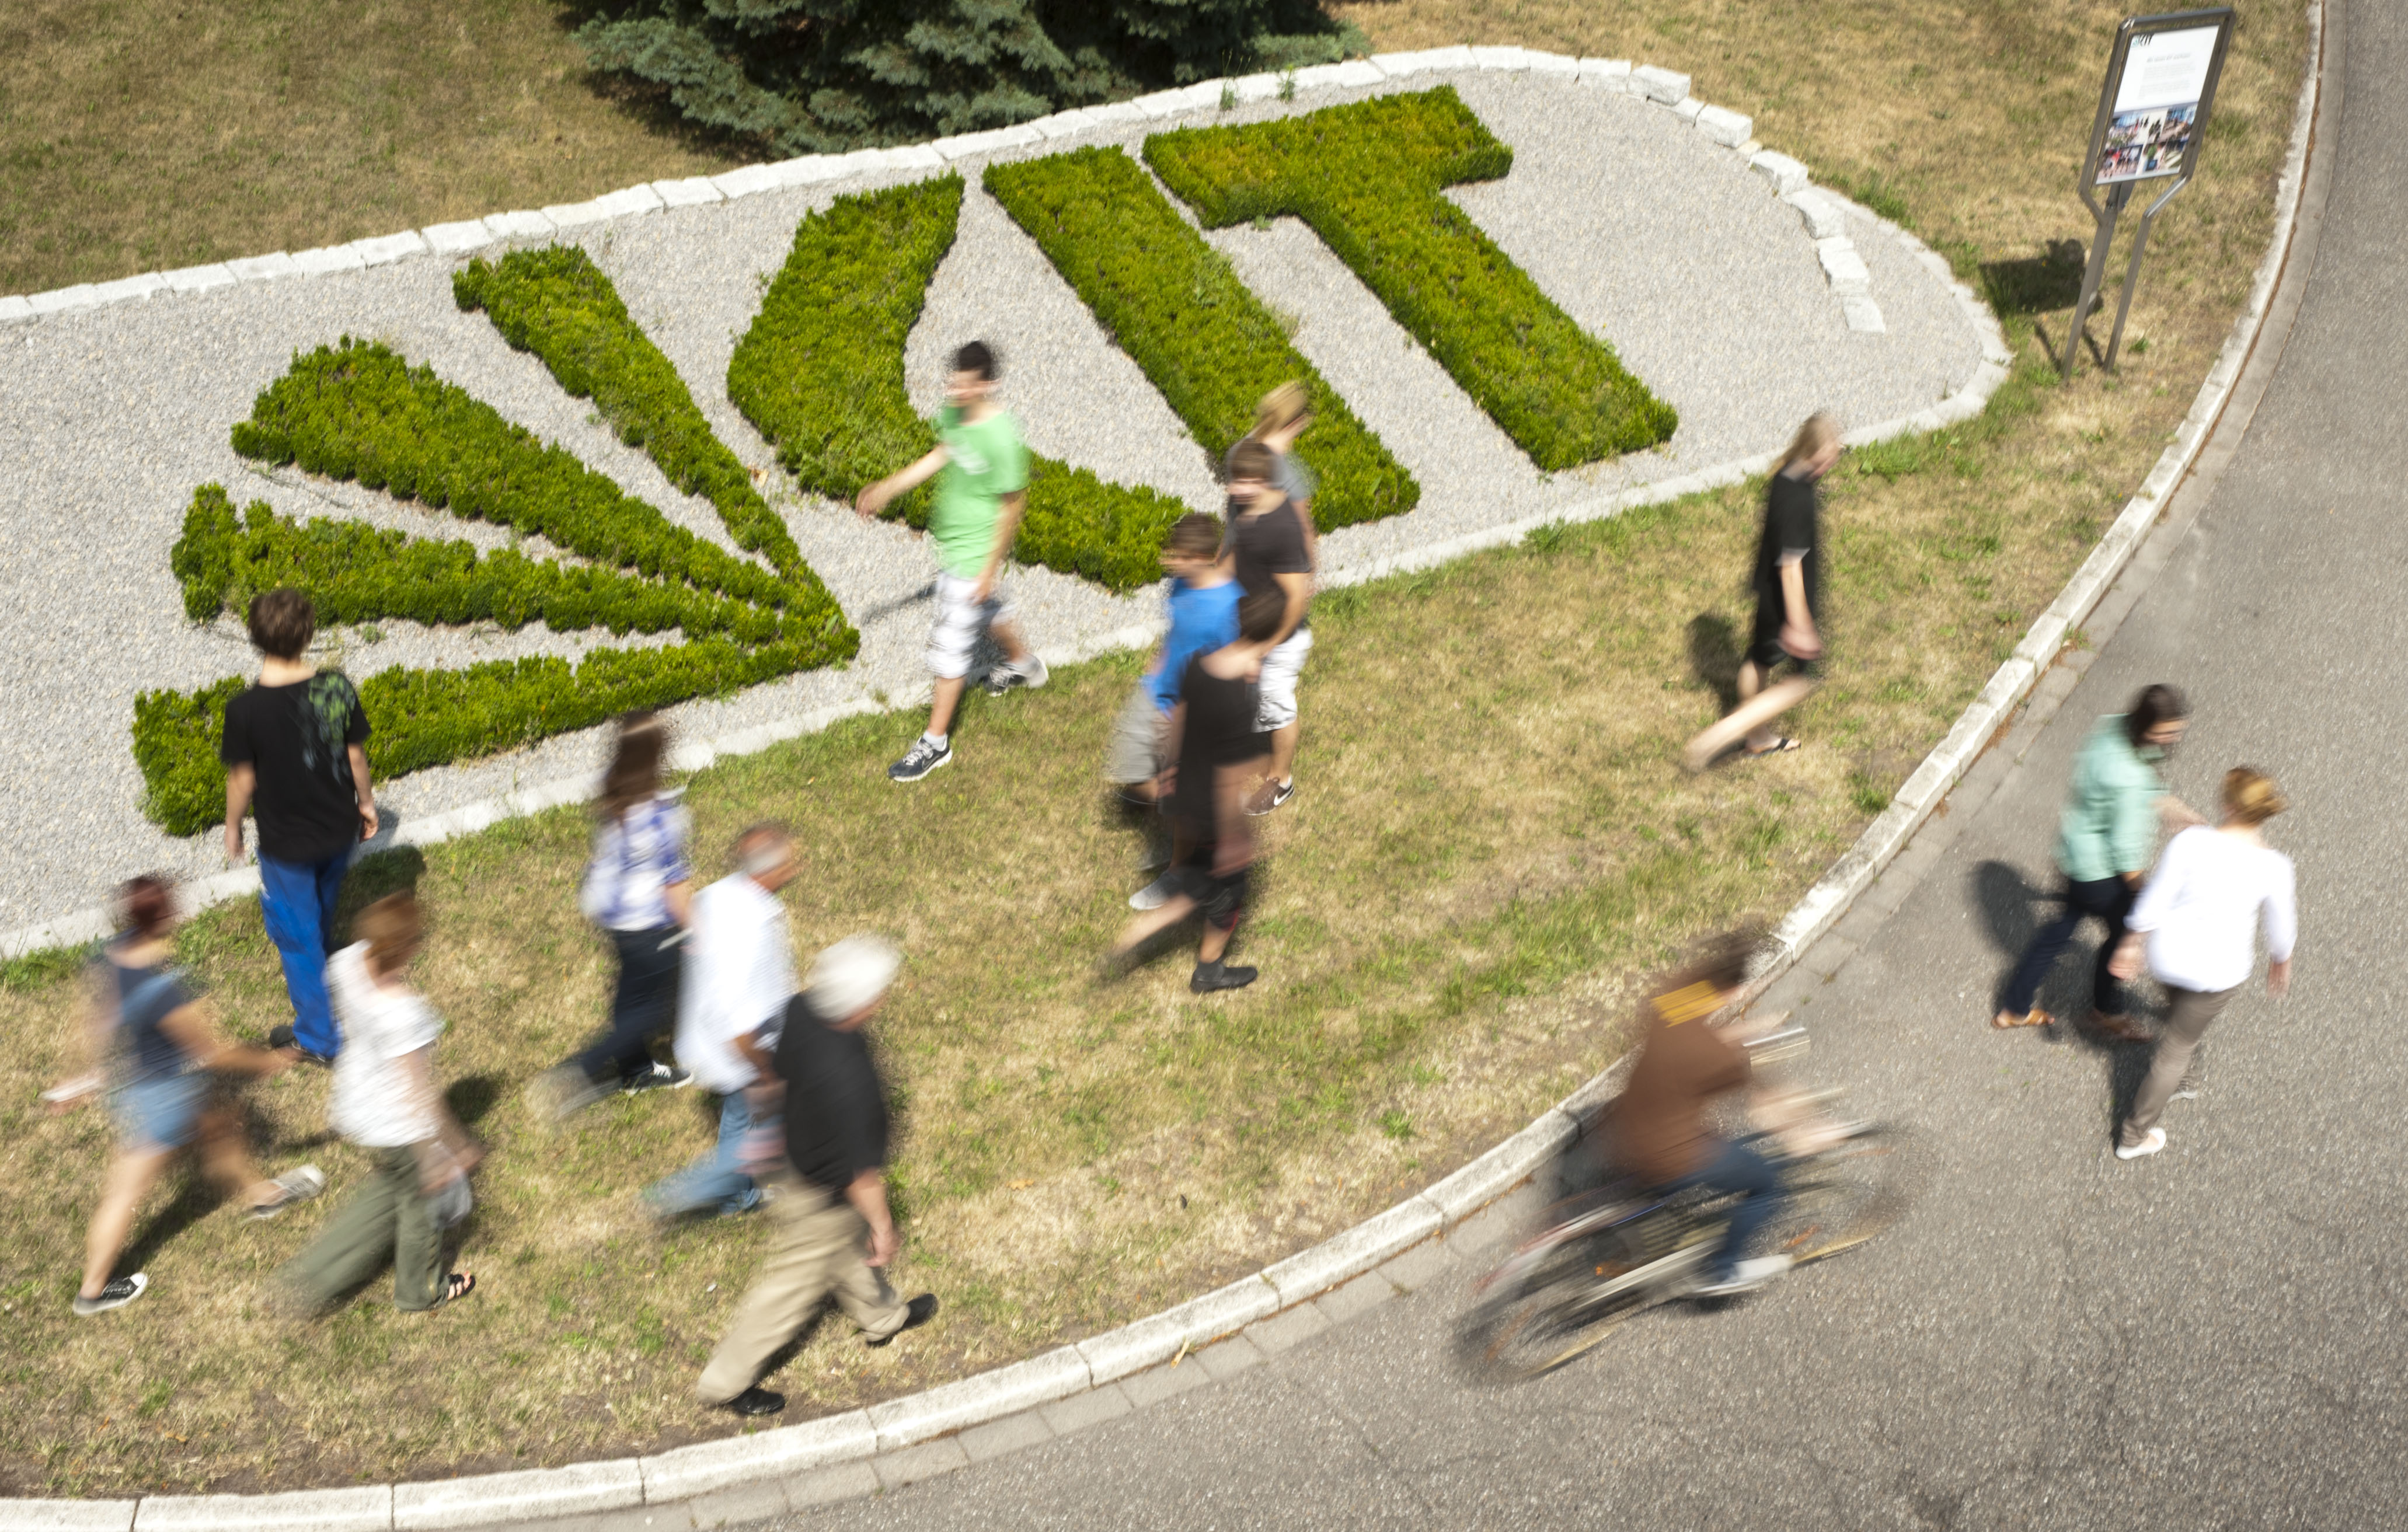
x: 1566, y: 1303
x: 1844, y: 1195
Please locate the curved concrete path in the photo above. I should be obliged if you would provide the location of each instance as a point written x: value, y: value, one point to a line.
x: 2056, y: 1339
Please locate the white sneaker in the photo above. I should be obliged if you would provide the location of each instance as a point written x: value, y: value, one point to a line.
x: 1747, y: 1277
x: 2150, y: 1143
x: 1155, y: 894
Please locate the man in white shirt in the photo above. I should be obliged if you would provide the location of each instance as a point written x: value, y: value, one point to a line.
x: 739, y: 973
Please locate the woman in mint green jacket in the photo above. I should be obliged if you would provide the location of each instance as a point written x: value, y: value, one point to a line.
x: 2106, y: 838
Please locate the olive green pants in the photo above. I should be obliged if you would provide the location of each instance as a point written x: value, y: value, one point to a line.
x: 388, y: 1217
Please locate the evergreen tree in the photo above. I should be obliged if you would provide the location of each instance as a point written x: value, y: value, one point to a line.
x: 818, y: 76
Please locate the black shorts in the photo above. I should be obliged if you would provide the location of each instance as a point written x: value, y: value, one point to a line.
x: 1221, y: 897
x: 1767, y: 654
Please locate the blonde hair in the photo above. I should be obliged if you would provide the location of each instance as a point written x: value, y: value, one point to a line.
x: 2251, y: 796
x: 1281, y: 407
x: 391, y: 927
x: 1819, y: 435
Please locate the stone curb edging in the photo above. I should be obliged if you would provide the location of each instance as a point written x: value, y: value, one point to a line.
x: 1823, y: 212
x: 686, y: 1472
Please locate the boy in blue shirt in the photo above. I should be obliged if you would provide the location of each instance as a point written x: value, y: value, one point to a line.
x: 1203, y: 610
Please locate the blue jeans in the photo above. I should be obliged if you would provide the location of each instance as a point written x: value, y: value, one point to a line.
x: 715, y: 1183
x: 1737, y: 1168
x: 299, y: 900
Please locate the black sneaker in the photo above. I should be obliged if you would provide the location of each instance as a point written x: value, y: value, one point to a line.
x: 756, y: 1401
x: 921, y: 758
x: 117, y: 1295
x: 1210, y: 977
x: 916, y: 1313
x: 659, y: 1077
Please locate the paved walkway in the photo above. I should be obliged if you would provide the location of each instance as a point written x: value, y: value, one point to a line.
x: 2209, y: 1338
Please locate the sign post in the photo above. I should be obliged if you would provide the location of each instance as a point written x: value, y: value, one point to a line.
x: 2153, y: 109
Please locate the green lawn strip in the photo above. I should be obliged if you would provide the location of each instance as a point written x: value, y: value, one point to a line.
x: 1368, y: 179
x: 557, y: 303
x: 1173, y: 303
x: 820, y: 374
x: 357, y: 411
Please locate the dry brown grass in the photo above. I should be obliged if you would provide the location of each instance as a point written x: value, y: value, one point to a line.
x: 1491, y: 843
x: 146, y: 135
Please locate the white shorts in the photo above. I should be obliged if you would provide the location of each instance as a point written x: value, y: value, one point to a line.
x: 1281, y: 667
x: 961, y: 622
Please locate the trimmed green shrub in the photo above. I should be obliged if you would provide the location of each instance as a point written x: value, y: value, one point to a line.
x: 357, y: 411
x: 820, y: 373
x: 1172, y: 301
x: 557, y: 303
x: 1366, y: 177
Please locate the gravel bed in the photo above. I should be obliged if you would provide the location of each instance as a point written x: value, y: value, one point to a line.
x: 1669, y: 248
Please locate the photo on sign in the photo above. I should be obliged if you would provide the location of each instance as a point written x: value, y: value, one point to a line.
x: 2141, y: 144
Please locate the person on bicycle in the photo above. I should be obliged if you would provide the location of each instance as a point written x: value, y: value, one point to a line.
x: 1656, y: 1130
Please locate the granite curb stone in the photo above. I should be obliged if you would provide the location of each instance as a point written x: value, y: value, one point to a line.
x: 577, y: 1489
x: 843, y: 1440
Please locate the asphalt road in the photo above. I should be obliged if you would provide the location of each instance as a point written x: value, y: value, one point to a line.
x: 2055, y: 1339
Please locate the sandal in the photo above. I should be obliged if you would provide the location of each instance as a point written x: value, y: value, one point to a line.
x: 2034, y: 1017
x: 458, y: 1285
x: 1779, y: 747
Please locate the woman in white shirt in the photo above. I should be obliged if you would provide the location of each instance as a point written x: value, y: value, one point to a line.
x: 2198, y: 920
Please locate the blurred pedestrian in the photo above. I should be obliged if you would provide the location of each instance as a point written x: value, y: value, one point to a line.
x: 386, y: 1100
x: 739, y: 973
x: 638, y: 889
x: 1784, y: 657
x: 294, y: 751
x: 1212, y: 752
x: 1272, y: 544
x: 1203, y: 616
x: 2106, y: 837
x: 2198, y: 920
x: 834, y: 1231
x: 152, y: 1037
x: 1658, y: 1127
x: 980, y: 466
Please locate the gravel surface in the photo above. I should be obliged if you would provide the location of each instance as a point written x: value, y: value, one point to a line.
x: 1668, y: 247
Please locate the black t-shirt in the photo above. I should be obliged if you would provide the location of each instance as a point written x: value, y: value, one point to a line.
x: 1792, y: 520
x: 836, y: 1106
x: 1219, y: 731
x: 1268, y: 545
x: 296, y: 738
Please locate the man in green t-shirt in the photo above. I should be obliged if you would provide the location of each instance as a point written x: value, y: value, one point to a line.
x: 979, y: 497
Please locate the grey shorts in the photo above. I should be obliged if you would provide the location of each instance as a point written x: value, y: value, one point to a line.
x: 959, y: 625
x: 1135, y: 754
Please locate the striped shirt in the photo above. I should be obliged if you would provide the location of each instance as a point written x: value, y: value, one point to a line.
x: 635, y: 857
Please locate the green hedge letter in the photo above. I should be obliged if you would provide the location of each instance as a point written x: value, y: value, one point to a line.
x: 820, y: 373
x: 1174, y: 306
x: 1366, y: 177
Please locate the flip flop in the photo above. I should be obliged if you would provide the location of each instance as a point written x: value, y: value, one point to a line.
x: 1779, y: 747
x: 2034, y: 1017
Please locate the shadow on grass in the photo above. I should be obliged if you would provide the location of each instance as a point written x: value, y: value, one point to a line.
x: 1714, y: 657
x: 2037, y: 285
x: 471, y: 1098
x: 373, y: 878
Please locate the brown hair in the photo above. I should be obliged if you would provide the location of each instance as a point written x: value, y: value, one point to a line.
x: 635, y: 772
x: 282, y: 623
x: 756, y: 842
x: 1194, y: 535
x: 2251, y: 796
x: 1250, y: 459
x: 146, y: 905
x: 1715, y: 967
x: 1820, y: 432
x: 391, y: 929
x: 1259, y: 614
x: 1281, y: 407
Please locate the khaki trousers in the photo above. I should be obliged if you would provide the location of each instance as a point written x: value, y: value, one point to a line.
x: 2177, y: 1045
x: 388, y: 1217
x: 818, y: 1246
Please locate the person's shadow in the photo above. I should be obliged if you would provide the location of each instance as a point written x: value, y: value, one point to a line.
x: 1714, y: 657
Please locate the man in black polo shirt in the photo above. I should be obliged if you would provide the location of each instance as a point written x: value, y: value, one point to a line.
x: 828, y: 1202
